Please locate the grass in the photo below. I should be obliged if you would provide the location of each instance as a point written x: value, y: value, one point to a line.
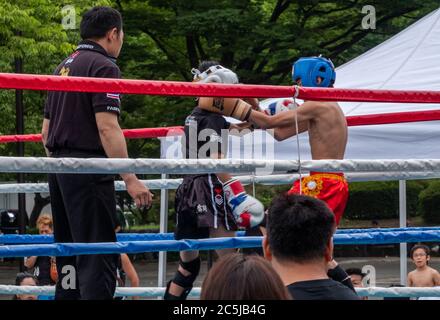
x: 383, y: 223
x: 144, y: 227
x: 345, y: 224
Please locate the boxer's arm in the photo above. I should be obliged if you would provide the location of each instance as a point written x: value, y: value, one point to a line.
x: 253, y: 102
x: 283, y: 133
x: 240, y: 129
x: 307, y: 111
x: 230, y: 107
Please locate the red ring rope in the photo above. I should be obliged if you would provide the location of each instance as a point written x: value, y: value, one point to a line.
x: 396, y: 117
x: 371, y: 119
x: 128, y: 133
x: 174, y: 88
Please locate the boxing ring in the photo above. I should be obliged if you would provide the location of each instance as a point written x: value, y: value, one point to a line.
x: 355, y: 170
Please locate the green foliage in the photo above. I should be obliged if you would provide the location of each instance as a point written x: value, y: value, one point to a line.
x: 259, y: 39
x: 164, y: 39
x: 429, y: 200
x: 266, y: 193
x: 380, y: 200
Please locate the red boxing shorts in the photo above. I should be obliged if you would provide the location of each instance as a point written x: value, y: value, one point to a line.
x: 331, y: 188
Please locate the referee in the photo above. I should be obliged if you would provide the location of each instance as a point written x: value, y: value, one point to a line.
x: 85, y: 125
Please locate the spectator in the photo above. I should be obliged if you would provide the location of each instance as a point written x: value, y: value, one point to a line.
x: 44, y: 267
x: 299, y: 244
x: 375, y: 224
x: 243, y: 277
x: 335, y: 272
x: 357, y: 277
x: 423, y: 275
x: 25, y: 279
x: 125, y: 268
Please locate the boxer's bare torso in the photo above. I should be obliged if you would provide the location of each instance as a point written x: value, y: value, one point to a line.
x: 324, y: 121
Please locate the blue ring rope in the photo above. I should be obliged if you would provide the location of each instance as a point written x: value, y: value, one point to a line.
x: 69, y: 249
x: 122, y: 237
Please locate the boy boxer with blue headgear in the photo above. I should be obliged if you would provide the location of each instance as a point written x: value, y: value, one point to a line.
x: 324, y: 121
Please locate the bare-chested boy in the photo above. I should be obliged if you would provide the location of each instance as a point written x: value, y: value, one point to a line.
x: 423, y: 275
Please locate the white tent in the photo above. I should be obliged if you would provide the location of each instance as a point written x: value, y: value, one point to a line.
x: 409, y: 60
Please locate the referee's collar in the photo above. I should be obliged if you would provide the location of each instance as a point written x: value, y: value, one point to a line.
x: 93, y: 46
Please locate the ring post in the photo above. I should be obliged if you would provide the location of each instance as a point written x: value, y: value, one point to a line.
x: 162, y: 271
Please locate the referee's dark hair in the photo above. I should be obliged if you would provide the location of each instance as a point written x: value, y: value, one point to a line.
x: 98, y: 21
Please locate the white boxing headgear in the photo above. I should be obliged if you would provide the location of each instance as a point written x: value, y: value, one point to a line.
x: 217, y: 74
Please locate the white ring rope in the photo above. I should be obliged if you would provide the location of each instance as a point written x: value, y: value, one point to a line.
x: 193, y: 166
x: 157, y: 292
x: 120, y: 291
x: 398, y: 292
x: 280, y: 179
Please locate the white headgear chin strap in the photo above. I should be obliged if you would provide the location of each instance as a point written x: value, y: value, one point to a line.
x: 195, y: 72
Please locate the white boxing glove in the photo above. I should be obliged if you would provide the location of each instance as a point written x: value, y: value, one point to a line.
x: 280, y: 106
x: 248, y: 211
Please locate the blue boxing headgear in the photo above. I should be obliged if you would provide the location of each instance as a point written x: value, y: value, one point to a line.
x: 308, y: 69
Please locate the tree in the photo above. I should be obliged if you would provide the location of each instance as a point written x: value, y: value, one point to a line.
x: 259, y: 39
x: 32, y: 31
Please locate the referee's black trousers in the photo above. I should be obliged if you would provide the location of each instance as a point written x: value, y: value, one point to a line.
x: 83, y: 210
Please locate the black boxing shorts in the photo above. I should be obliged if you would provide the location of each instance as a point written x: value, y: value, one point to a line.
x: 200, y: 205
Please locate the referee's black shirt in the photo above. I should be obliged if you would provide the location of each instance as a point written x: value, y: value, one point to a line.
x: 72, y: 123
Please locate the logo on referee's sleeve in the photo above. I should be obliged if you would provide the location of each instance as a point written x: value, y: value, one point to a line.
x: 113, y: 96
x: 64, y: 72
x: 113, y: 109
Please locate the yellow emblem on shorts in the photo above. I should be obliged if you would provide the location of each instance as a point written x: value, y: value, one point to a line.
x: 64, y: 72
x: 311, y: 186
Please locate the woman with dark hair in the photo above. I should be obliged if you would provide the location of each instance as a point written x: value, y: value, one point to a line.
x: 243, y: 277
x: 25, y: 279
